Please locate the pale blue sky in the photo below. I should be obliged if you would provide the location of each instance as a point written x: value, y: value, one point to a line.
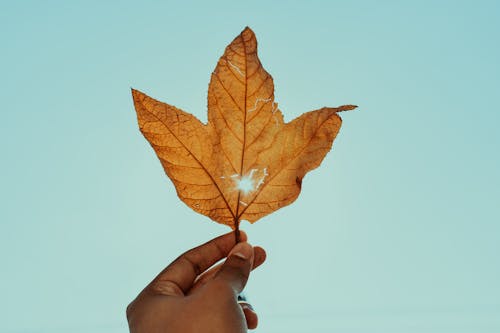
x: 397, y: 231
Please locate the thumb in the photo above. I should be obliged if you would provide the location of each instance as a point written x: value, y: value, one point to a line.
x: 236, y: 269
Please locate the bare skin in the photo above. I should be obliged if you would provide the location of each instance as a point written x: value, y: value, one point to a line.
x: 192, y: 296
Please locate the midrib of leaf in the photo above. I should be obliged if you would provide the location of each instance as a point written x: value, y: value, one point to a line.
x: 237, y: 217
x: 199, y: 162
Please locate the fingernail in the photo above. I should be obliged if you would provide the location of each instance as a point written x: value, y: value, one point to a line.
x: 247, y: 305
x: 242, y: 250
x: 240, y: 255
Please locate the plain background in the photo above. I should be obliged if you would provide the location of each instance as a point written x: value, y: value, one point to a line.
x: 397, y: 231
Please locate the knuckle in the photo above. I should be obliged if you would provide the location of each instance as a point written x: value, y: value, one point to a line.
x: 192, y: 262
x: 166, y: 287
x: 238, y: 272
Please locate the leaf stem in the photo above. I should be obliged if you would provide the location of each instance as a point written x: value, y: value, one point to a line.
x: 237, y: 232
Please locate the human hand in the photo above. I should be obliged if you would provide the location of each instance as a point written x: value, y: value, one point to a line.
x: 189, y: 297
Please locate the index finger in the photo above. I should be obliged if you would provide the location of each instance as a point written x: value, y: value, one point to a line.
x: 179, y: 276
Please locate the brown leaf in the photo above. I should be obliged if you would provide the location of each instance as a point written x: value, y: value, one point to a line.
x: 245, y: 162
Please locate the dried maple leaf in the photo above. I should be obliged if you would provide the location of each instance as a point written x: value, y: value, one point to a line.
x: 245, y: 162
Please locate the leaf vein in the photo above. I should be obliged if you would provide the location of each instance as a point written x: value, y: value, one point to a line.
x: 227, y: 91
x: 279, y: 171
x: 198, y: 161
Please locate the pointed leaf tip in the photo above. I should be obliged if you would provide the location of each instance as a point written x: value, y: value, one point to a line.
x: 348, y: 107
x: 247, y: 29
x: 247, y: 33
